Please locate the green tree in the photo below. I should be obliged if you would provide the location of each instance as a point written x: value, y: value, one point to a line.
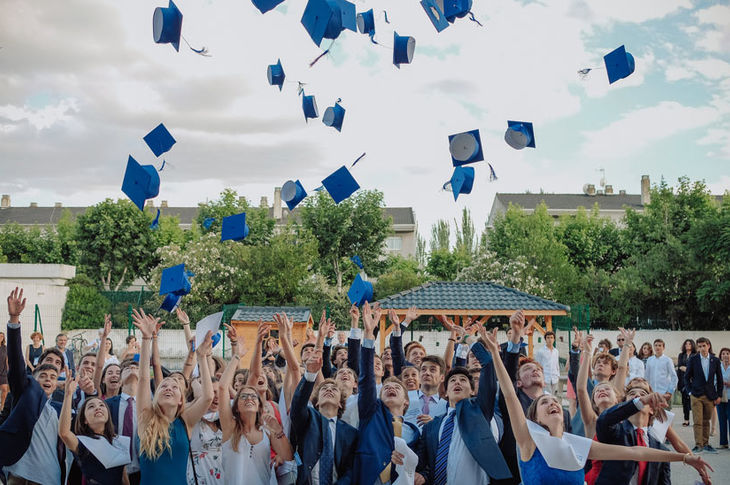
x: 355, y: 226
x: 261, y: 226
x: 85, y: 306
x: 440, y: 234
x: 592, y: 241
x: 33, y: 245
x: 445, y: 265
x: 421, y: 250
x: 515, y: 273
x: 466, y: 239
x: 401, y: 274
x: 115, y: 243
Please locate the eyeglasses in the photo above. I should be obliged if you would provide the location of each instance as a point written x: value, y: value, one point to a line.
x: 619, y: 340
x: 248, y: 396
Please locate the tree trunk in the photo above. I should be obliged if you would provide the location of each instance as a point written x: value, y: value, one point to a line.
x: 338, y: 274
x: 121, y: 280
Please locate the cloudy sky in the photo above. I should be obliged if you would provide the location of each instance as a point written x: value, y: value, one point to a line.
x: 81, y: 82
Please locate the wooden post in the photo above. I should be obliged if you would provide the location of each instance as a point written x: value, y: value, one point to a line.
x: 529, y: 345
x: 549, y: 323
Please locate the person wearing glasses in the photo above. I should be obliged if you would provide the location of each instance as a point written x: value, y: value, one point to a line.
x: 616, y: 351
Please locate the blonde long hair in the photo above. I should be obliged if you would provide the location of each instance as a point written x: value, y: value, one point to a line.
x: 238, y: 419
x: 154, y: 429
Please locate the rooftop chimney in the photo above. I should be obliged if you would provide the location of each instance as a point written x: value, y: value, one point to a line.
x: 622, y: 192
x: 5, y: 201
x: 163, y: 204
x: 150, y: 203
x: 645, y: 190
x: 277, y: 203
x: 34, y: 204
x: 264, y: 204
x: 609, y: 189
x: 591, y: 189
x: 57, y: 205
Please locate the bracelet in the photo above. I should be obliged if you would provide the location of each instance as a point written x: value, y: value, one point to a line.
x: 452, y: 340
x: 236, y: 356
x: 279, y: 436
x: 146, y: 338
x: 684, y: 458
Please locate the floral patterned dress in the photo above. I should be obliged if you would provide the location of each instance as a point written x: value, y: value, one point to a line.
x: 206, y: 445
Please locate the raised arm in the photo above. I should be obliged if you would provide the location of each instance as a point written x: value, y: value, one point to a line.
x: 64, y: 420
x: 146, y: 325
x: 293, y: 373
x: 367, y: 396
x: 353, y: 342
x: 514, y: 408
x: 17, y: 377
x: 195, y: 411
x: 101, y: 354
x: 623, y: 362
x: 457, y: 333
x: 279, y: 442
x: 255, y: 369
x: 156, y: 364
x: 607, y: 423
x: 300, y: 414
x: 487, y: 393
x: 584, y: 399
x: 185, y: 320
x: 225, y: 412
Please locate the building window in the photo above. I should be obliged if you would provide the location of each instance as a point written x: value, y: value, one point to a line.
x: 394, y: 243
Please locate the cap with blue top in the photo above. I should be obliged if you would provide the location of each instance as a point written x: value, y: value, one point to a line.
x: 167, y: 25
x: 292, y: 193
x: 360, y: 291
x: 159, y: 140
x: 234, y: 227
x: 334, y: 116
x: 519, y: 135
x: 619, y: 64
x: 275, y: 74
x: 341, y: 184
x: 141, y: 182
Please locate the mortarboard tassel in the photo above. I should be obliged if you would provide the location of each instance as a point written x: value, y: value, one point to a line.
x: 156, y: 223
x: 319, y: 188
x: 492, y: 173
x: 300, y: 88
x: 162, y: 166
x: 322, y: 54
x: 474, y: 19
x: 386, y: 17
x: 358, y: 159
x: 208, y: 222
x: 583, y: 73
x: 372, y: 38
x: 202, y: 51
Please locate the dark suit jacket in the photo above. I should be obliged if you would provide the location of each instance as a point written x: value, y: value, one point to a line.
x: 473, y: 416
x: 353, y: 358
x: 614, y: 351
x: 307, y: 426
x: 396, y: 351
x: 695, y: 382
x: 113, y: 403
x: 17, y: 430
x: 614, y: 428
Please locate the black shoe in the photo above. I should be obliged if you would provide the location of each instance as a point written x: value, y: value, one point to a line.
x: 709, y: 449
x: 696, y: 450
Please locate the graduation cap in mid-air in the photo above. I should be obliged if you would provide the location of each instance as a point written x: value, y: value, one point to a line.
x: 465, y: 148
x: 159, y: 140
x: 141, y: 182
x: 619, y: 64
x: 340, y: 184
x: 519, y: 135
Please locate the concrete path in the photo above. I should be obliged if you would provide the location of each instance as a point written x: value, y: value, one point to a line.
x: 686, y: 475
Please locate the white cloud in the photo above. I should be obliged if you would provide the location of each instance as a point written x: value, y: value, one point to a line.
x: 635, y: 11
x: 720, y: 185
x: 714, y: 34
x: 41, y: 118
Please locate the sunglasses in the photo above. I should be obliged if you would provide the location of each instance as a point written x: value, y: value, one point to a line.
x: 619, y: 340
x: 248, y: 396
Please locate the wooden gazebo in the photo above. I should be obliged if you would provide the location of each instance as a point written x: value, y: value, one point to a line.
x: 459, y: 300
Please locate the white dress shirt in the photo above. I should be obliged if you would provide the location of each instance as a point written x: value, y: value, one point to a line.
x: 661, y: 374
x: 636, y: 369
x: 549, y: 359
x: 437, y: 406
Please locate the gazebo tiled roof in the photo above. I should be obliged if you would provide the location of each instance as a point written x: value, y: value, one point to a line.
x: 266, y: 313
x: 460, y: 297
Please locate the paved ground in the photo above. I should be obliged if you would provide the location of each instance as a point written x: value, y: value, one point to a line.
x: 686, y: 475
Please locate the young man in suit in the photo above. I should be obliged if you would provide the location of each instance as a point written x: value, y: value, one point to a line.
x: 461, y: 446
x: 703, y: 382
x: 31, y: 449
x: 123, y: 410
x: 68, y: 355
x: 325, y: 444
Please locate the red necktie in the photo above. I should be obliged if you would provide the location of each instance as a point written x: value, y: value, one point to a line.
x: 641, y: 441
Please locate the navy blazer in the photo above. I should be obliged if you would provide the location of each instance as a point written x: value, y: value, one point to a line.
x: 113, y: 403
x: 353, y: 358
x: 396, y: 352
x: 29, y: 401
x: 307, y: 428
x: 375, y: 449
x: 695, y: 382
x: 613, y: 427
x: 473, y: 416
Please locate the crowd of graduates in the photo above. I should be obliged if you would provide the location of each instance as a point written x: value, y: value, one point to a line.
x: 335, y: 411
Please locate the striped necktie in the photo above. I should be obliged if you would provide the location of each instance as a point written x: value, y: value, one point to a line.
x: 442, y: 454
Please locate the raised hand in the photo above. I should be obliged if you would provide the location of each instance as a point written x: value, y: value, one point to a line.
x: 368, y: 321
x: 587, y: 343
x: 658, y: 403
x: 354, y: 316
x: 700, y: 465
x: 182, y: 316
x: 232, y: 334
x: 271, y: 424
x: 263, y: 331
x: 314, y: 364
x: 517, y: 324
x: 16, y: 305
x: 147, y: 324
x: 490, y: 338
x: 206, y: 347
x: 71, y: 383
x: 411, y: 315
x: 577, y: 338
x: 628, y: 335
x: 107, y: 327
x: 393, y: 317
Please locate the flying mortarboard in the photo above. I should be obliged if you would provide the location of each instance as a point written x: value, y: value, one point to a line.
x: 159, y: 140
x: 435, y: 11
x: 292, y: 193
x: 465, y: 148
x: 275, y: 74
x: 309, y: 106
x: 334, y: 116
x: 456, y: 8
x: 619, y: 64
x: 325, y: 19
x: 141, y: 182
x: 403, y: 49
x: 167, y: 25
x: 170, y: 302
x: 358, y: 262
x: 341, y: 184
x: 208, y: 222
x: 234, y: 227
x: 175, y: 281
x: 156, y: 222
x: 462, y: 181
x: 360, y: 291
x: 519, y: 135
x: 266, y: 5
x: 366, y: 22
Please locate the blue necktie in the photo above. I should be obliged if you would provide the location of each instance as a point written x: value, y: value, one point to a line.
x: 327, y: 458
x: 442, y: 454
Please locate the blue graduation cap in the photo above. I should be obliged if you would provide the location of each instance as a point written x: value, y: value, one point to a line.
x: 519, y: 135
x: 325, y: 19
x: 358, y: 262
x: 619, y: 64
x: 360, y: 291
x: 167, y: 25
x: 292, y: 193
x: 334, y: 116
x: 366, y: 22
x: 159, y: 140
x: 456, y: 8
x: 462, y: 181
x: 156, y: 222
x: 175, y: 281
x: 208, y: 222
x: 435, y: 11
x: 275, y: 74
x: 234, y: 227
x: 465, y: 148
x: 170, y: 302
x: 309, y: 106
x: 266, y: 5
x: 141, y: 182
x: 341, y: 184
x: 403, y: 49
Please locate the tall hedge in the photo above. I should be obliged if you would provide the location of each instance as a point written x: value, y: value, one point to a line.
x: 85, y: 307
